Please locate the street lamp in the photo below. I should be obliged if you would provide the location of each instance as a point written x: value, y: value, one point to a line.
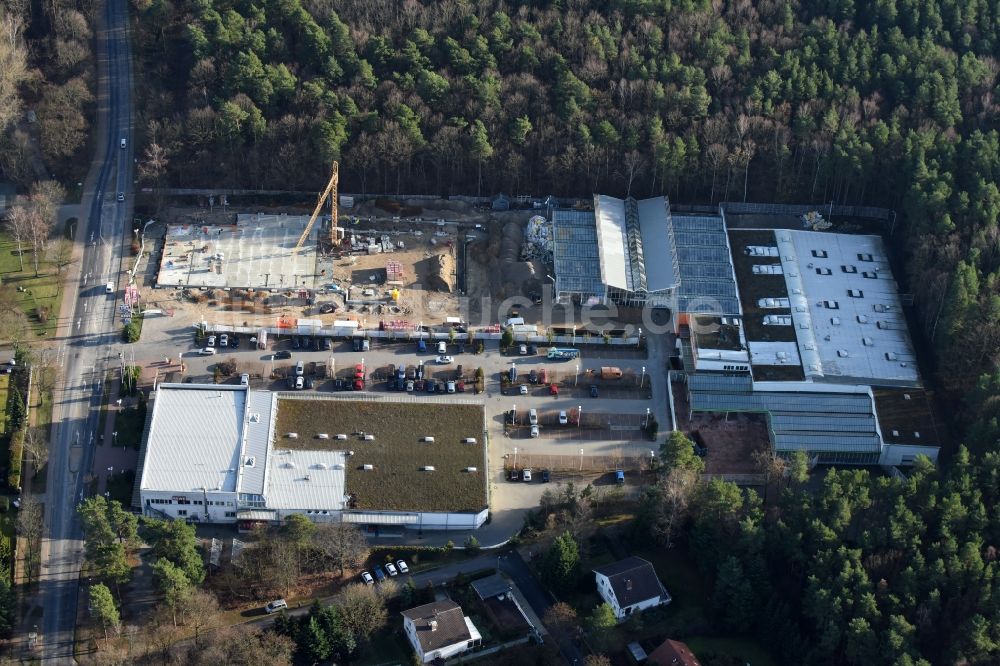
x: 642, y: 380
x: 115, y: 435
x: 581, y: 460
x: 515, y: 457
x: 638, y: 340
x: 579, y: 415
x: 646, y: 423
x: 576, y: 378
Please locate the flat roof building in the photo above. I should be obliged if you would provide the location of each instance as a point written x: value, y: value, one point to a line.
x: 227, y: 454
x: 819, y: 344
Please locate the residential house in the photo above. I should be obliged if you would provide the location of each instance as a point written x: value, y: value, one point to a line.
x: 630, y: 586
x: 439, y: 630
x: 673, y: 653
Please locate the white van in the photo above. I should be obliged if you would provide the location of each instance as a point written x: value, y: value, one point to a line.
x: 123, y: 144
x: 275, y: 606
x: 109, y: 288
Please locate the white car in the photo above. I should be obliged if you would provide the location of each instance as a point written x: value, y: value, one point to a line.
x: 534, y: 431
x: 245, y: 379
x: 223, y: 340
x: 523, y: 390
x: 367, y: 578
x: 563, y: 418
x: 402, y: 567
x: 450, y: 386
x: 300, y: 369
x: 207, y: 351
x: 391, y: 568
x: 526, y: 475
x: 533, y: 416
x: 121, y: 196
x: 442, y: 347
x: 211, y: 341
x: 275, y: 606
x: 444, y: 360
x: 124, y: 143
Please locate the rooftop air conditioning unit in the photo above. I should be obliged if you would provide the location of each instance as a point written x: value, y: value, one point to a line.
x: 471, y: 469
x: 469, y: 440
x: 322, y: 435
x: 340, y: 437
x: 368, y: 468
x: 427, y: 468
x: 292, y: 435
x: 427, y: 439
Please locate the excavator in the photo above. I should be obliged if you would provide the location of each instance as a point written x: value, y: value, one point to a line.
x: 330, y: 191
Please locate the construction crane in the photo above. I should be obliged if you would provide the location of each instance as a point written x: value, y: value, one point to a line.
x: 331, y: 190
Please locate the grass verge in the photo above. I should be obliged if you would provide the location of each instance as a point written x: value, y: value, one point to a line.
x: 37, y: 297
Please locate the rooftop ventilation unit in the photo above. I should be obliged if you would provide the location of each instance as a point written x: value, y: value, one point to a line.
x: 322, y: 435
x: 471, y: 469
x: 427, y: 439
x: 369, y: 438
x: 319, y: 466
x: 469, y: 440
x: 337, y: 466
x: 842, y: 353
x: 368, y: 468
x: 292, y: 435
x: 289, y: 465
x: 340, y: 437
x: 427, y: 468
x: 250, y: 461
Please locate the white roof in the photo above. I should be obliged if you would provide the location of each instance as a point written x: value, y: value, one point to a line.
x: 259, y: 428
x: 306, y: 480
x: 194, y: 438
x: 774, y: 353
x: 849, y: 322
x: 612, y: 243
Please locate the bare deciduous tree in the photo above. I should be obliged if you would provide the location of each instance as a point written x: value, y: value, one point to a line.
x: 363, y: 609
x: 36, y: 444
x: 29, y: 529
x: 343, y: 543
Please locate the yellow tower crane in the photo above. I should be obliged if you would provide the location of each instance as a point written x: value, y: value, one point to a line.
x: 331, y: 190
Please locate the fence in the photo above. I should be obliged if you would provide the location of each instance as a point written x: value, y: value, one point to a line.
x: 870, y: 212
x: 637, y: 460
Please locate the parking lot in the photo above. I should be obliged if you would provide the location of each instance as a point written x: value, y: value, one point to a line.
x: 612, y: 424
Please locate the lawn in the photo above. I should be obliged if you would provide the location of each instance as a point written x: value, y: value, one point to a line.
x: 388, y: 646
x: 37, y: 297
x: 745, y: 651
x: 396, y: 457
x: 4, y: 383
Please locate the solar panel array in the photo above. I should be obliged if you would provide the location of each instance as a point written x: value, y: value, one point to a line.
x: 704, y: 264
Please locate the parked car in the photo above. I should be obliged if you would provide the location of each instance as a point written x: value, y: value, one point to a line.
x: 300, y: 369
x: 523, y: 389
x: 402, y: 567
x: 593, y: 391
x: 295, y: 342
x: 532, y: 350
x: 245, y: 379
x: 275, y: 606
x: 211, y: 341
x: 522, y: 350
x: 327, y: 344
x: 533, y: 416
x: 284, y: 353
x: 450, y: 386
x: 421, y: 346
x: 444, y: 360
x: 545, y: 476
x: 442, y: 347
x: 526, y: 475
x: 553, y: 389
x: 534, y: 431
x: 430, y: 385
x: 207, y: 351
x: 379, y: 574
x: 620, y: 477
x: 513, y: 475
x: 391, y: 568
x: 409, y: 386
x: 533, y: 377
x: 367, y: 578
x: 563, y: 418
x: 234, y: 342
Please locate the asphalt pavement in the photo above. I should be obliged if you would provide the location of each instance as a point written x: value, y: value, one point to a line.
x: 87, y: 329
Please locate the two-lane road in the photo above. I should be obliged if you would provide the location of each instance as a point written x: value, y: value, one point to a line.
x: 87, y: 337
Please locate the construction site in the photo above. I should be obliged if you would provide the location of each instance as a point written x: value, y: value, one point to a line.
x: 382, y: 262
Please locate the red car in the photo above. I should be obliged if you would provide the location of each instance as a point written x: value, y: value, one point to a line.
x: 553, y: 389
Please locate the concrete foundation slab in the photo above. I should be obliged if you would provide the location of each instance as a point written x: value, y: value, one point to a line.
x: 257, y: 252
